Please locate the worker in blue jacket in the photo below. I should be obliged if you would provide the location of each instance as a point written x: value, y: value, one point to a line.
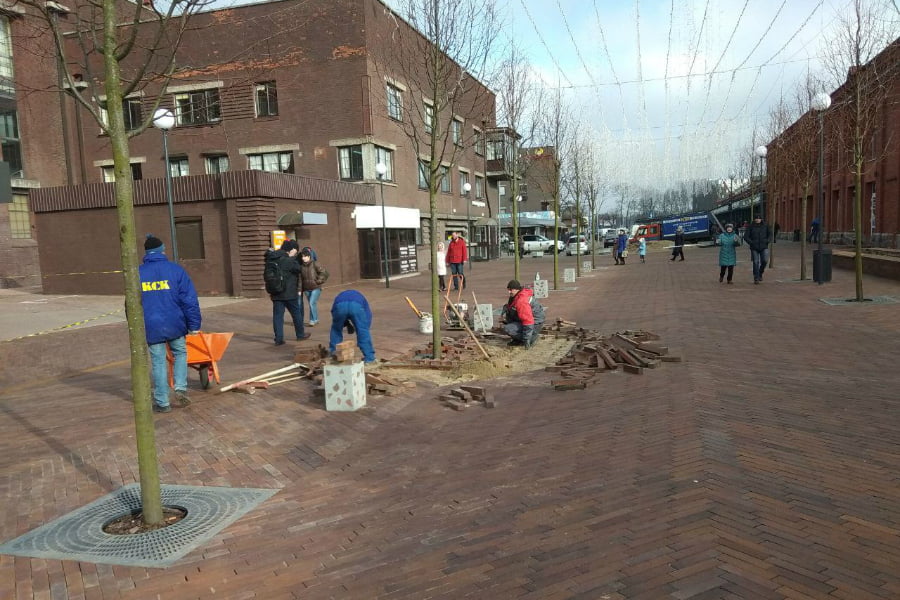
x: 350, y: 309
x: 171, y: 310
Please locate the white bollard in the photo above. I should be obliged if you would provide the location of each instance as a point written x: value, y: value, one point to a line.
x: 569, y: 275
x: 345, y: 386
x: 541, y: 288
x: 586, y: 266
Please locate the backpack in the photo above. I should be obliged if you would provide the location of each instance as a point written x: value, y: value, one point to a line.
x: 273, y: 276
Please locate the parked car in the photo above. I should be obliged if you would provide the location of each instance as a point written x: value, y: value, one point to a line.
x: 609, y: 239
x: 577, y: 245
x: 538, y: 243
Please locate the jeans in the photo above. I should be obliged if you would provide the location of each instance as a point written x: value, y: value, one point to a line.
x: 159, y: 371
x: 458, y: 269
x: 295, y: 307
x: 760, y: 259
x: 356, y: 314
x: 312, y: 298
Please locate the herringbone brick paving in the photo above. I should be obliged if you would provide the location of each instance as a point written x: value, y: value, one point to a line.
x: 763, y: 466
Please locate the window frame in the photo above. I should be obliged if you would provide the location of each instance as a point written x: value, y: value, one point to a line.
x: 479, y: 141
x: 19, y: 218
x: 479, y: 187
x: 456, y: 128
x: 394, y: 94
x: 428, y: 117
x: 270, y: 91
x: 261, y: 156
x: 423, y: 175
x: 216, y: 160
x: 446, y: 186
x: 179, y: 166
x: 385, y: 153
x: 463, y: 180
x: 351, y: 165
x: 203, y: 112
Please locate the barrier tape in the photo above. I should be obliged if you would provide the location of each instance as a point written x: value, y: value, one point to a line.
x: 63, y: 274
x: 70, y: 325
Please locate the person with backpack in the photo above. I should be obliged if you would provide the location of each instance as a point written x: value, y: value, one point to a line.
x: 522, y: 316
x: 312, y: 277
x: 281, y: 276
x: 171, y: 310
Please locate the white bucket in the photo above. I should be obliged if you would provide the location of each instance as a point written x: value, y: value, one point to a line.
x: 426, y: 323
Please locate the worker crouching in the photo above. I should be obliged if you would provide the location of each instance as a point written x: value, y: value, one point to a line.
x: 522, y: 316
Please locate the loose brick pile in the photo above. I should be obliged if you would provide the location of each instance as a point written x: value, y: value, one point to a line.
x: 594, y: 353
x: 462, y: 397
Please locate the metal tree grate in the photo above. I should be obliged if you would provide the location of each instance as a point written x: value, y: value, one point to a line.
x: 865, y: 302
x: 79, y: 535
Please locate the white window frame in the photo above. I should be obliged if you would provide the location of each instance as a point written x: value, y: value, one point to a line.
x: 463, y: 179
x: 187, y: 98
x: 214, y: 164
x: 258, y: 161
x: 428, y: 116
x: 345, y: 164
x: 394, y: 94
x: 179, y: 166
x: 386, y: 157
x: 270, y: 89
x: 423, y: 174
x: 446, y: 183
x: 456, y: 129
x: 479, y: 187
x: 479, y: 141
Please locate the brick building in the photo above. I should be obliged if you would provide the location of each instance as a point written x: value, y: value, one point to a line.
x: 881, y: 188
x: 289, y: 88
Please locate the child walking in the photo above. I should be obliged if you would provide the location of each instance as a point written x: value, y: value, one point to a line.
x: 642, y: 249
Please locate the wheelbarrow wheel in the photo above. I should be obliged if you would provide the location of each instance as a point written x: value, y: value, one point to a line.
x: 204, y: 376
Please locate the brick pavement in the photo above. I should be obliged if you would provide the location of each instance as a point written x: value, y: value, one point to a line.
x: 763, y: 466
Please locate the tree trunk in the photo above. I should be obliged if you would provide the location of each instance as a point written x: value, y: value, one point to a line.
x: 803, y: 230
x: 857, y: 227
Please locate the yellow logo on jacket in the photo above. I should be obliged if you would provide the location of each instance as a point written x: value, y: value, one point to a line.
x: 153, y: 286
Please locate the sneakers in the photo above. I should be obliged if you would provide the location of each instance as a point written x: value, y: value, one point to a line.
x: 182, y: 399
x: 161, y: 409
x: 313, y: 323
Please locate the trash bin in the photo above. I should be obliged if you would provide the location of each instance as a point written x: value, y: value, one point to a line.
x: 796, y: 235
x: 822, y: 265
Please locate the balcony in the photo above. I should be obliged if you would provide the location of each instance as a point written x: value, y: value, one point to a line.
x: 500, y: 143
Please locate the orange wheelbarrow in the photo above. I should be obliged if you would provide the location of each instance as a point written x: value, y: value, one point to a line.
x: 204, y: 350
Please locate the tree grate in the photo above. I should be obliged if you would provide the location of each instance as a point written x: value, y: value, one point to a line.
x: 79, y: 535
x: 867, y: 302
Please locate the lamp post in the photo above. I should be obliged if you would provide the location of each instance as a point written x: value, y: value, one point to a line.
x: 381, y: 170
x: 467, y: 187
x: 164, y: 120
x: 761, y: 152
x: 820, y: 104
x: 731, y: 177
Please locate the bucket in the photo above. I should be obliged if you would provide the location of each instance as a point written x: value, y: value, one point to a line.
x: 426, y: 323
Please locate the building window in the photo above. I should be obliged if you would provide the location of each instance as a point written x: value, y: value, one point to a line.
x: 351, y: 163
x: 495, y: 150
x: 266, y: 99
x: 463, y: 180
x: 178, y: 167
x: 216, y: 164
x: 385, y: 157
x: 109, y: 173
x: 423, y: 175
x: 197, y: 108
x: 428, y: 117
x: 6, y: 58
x: 479, y: 187
x: 273, y: 162
x: 456, y: 131
x: 9, y: 141
x: 189, y: 234
x: 446, y: 186
x: 395, y: 102
x: 479, y: 141
x: 131, y: 112
x: 19, y: 218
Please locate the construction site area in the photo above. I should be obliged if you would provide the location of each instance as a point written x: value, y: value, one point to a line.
x: 666, y: 437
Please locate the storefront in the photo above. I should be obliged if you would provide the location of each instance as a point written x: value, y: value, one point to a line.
x: 400, y: 228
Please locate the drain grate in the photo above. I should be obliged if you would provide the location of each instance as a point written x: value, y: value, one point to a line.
x: 79, y: 535
x: 866, y: 302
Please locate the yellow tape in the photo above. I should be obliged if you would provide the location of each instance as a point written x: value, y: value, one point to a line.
x: 63, y: 274
x: 76, y: 324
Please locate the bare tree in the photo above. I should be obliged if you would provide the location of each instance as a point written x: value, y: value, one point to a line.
x: 441, y: 62
x: 125, y: 54
x: 779, y: 120
x: 865, y: 83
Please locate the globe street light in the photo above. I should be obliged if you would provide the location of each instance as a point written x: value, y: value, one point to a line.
x: 761, y: 151
x: 164, y: 120
x: 731, y: 177
x: 380, y: 171
x: 467, y: 187
x: 820, y: 104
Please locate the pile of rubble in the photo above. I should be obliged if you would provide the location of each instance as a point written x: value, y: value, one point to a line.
x: 594, y: 353
x: 464, y: 396
x: 454, y: 352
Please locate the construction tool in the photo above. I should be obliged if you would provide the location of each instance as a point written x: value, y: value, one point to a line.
x: 413, y: 306
x: 261, y: 378
x: 470, y: 332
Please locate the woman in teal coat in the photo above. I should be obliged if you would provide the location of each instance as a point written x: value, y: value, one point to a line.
x: 728, y: 240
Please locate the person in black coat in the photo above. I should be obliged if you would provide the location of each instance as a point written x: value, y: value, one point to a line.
x: 758, y: 237
x: 678, y: 248
x: 288, y: 298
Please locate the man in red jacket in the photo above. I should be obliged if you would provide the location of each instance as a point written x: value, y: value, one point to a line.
x: 457, y: 255
x: 522, y: 316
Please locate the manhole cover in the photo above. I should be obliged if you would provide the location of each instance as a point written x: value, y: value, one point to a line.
x: 79, y: 535
x: 866, y: 302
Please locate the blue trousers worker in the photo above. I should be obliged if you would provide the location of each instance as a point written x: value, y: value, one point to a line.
x: 352, y: 307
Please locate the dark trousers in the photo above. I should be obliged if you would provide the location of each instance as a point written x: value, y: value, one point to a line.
x: 295, y: 308
x: 723, y: 268
x: 458, y: 269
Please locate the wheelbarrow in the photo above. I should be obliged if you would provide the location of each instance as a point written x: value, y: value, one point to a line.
x: 204, y: 351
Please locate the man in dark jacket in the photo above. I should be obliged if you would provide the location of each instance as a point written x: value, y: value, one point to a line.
x: 171, y: 310
x: 288, y: 298
x: 350, y: 309
x: 758, y: 237
x: 678, y: 248
x: 522, y: 316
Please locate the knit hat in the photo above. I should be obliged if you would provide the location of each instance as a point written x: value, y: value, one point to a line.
x: 288, y: 245
x: 306, y: 251
x: 513, y: 285
x: 154, y: 244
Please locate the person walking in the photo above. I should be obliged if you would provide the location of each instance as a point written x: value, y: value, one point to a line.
x: 621, y: 247
x: 442, y: 266
x: 814, y: 227
x: 350, y: 310
x: 727, y: 241
x: 457, y: 255
x: 171, y: 310
x: 678, y: 248
x: 285, y: 269
x: 312, y: 278
x: 522, y: 316
x: 642, y: 249
x: 757, y: 237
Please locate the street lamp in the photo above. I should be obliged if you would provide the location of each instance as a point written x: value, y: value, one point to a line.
x: 731, y: 177
x: 467, y: 187
x: 761, y: 151
x: 381, y: 170
x: 164, y: 120
x: 820, y: 104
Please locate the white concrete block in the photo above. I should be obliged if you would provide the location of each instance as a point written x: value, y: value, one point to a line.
x: 345, y: 386
x: 541, y: 288
x: 484, y: 317
x: 586, y: 266
x: 569, y: 275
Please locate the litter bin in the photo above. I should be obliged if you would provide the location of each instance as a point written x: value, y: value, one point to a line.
x: 796, y: 235
x: 822, y: 265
